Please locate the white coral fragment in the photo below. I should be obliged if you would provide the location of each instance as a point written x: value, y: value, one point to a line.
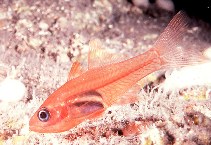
x: 11, y: 90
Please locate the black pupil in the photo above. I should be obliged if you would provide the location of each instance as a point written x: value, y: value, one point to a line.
x: 43, y: 115
x: 152, y: 1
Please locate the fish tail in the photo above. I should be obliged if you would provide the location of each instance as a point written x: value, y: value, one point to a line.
x: 171, y: 47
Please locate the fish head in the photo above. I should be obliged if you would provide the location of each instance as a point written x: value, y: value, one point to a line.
x: 58, y: 115
x: 48, y: 119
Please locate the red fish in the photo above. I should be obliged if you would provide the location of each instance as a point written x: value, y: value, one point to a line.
x: 88, y: 93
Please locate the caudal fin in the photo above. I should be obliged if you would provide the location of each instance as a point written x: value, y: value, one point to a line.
x: 170, y: 44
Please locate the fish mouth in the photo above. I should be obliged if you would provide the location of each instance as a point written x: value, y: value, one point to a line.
x: 35, y: 129
x: 34, y: 125
x: 40, y: 129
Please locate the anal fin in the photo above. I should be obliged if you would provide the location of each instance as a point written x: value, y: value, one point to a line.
x: 130, y: 96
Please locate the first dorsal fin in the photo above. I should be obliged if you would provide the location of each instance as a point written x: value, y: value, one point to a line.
x: 98, y: 56
x: 75, y: 70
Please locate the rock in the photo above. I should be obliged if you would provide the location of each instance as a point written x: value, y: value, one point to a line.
x: 35, y: 42
x: 11, y: 90
x: 43, y: 25
x: 63, y: 22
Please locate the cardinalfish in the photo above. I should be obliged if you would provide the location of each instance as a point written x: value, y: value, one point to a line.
x: 107, y: 80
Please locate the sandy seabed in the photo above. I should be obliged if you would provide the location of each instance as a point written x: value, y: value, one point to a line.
x: 41, y: 39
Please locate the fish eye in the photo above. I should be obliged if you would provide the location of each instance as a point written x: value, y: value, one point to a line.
x: 43, y: 115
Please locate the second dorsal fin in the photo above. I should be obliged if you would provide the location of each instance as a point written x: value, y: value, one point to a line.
x: 98, y: 56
